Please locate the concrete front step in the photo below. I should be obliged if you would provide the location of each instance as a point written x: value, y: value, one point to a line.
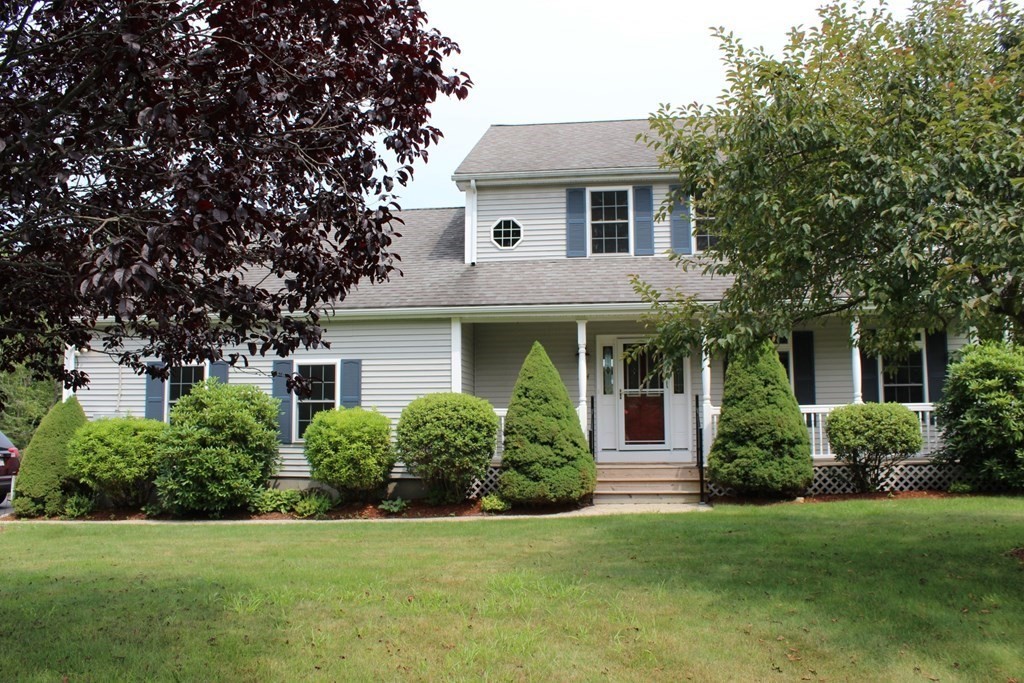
x: 646, y: 498
x: 647, y: 486
x: 647, y: 471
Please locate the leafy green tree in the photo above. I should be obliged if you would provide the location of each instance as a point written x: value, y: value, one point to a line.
x: 546, y: 459
x: 762, y: 447
x: 24, y: 400
x: 876, y: 164
x: 44, y: 479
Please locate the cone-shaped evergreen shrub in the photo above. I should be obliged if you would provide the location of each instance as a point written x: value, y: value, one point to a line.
x: 42, y: 483
x: 546, y: 459
x: 762, y: 447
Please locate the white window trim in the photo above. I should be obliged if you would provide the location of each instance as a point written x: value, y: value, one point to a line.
x: 923, y: 347
x: 628, y: 189
x: 695, y: 221
x: 522, y: 233
x: 336, y: 362
x: 167, y: 386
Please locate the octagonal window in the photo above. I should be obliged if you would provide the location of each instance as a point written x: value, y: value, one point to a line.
x: 506, y: 233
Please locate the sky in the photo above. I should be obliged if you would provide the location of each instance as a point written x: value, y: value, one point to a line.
x: 542, y: 61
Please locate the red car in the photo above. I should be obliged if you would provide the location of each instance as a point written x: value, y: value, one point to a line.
x: 10, y: 461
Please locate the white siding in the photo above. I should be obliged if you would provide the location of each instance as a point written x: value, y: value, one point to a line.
x: 502, y: 348
x: 402, y: 360
x: 113, y: 390
x: 540, y: 211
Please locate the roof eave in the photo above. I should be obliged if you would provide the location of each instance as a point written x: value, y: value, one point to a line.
x: 561, y: 176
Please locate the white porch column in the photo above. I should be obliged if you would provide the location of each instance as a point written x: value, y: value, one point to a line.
x: 705, y: 386
x: 581, y: 356
x: 70, y: 361
x: 457, y: 355
x: 858, y: 393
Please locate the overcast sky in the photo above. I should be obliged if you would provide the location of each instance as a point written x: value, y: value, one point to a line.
x: 541, y: 61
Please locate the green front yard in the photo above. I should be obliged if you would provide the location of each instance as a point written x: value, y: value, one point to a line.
x: 892, y: 590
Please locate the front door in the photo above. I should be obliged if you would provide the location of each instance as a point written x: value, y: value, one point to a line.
x: 642, y: 402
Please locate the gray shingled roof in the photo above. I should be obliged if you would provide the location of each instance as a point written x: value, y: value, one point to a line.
x: 435, y: 275
x: 548, y: 147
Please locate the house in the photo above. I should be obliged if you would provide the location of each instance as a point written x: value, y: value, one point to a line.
x: 557, y: 218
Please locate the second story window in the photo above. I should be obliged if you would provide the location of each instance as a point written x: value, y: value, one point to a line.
x: 609, y: 222
x: 704, y: 235
x: 506, y: 233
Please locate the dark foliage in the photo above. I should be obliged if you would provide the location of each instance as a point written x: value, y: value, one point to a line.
x: 546, y: 459
x: 982, y: 416
x: 196, y: 172
x: 762, y: 447
x: 44, y: 479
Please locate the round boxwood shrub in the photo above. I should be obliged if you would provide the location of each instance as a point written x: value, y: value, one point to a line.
x: 982, y: 416
x: 117, y: 458
x: 762, y: 447
x: 44, y: 479
x: 350, y: 449
x: 448, y: 440
x: 219, y: 451
x: 871, y: 439
x: 546, y: 459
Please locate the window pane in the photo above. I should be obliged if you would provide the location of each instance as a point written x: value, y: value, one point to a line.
x: 903, y: 379
x: 322, y: 384
x: 609, y: 222
x: 181, y: 381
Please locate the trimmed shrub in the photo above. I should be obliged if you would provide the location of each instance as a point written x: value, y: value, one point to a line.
x: 78, y: 505
x: 762, y: 447
x: 44, y: 479
x: 982, y: 416
x: 546, y: 459
x: 219, y: 451
x: 494, y: 504
x: 117, y: 458
x: 350, y: 450
x: 448, y: 440
x: 871, y: 439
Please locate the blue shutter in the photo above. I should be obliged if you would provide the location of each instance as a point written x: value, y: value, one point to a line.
x: 643, y: 220
x: 351, y: 383
x: 869, y: 378
x: 154, y: 395
x: 938, y: 358
x: 803, y: 367
x: 279, y: 390
x: 682, y: 231
x: 576, y: 223
x: 219, y: 369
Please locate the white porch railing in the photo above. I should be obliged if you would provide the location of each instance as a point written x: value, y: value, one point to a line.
x: 499, y: 446
x: 814, y: 417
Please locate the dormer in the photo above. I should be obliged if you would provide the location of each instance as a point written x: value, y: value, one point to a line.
x: 568, y: 190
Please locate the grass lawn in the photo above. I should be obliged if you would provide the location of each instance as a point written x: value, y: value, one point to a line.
x: 883, y: 590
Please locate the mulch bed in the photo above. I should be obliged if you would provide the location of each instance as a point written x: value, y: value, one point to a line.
x: 416, y: 510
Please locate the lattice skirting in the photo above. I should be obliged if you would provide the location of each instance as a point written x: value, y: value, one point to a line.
x: 831, y: 479
x: 489, y: 484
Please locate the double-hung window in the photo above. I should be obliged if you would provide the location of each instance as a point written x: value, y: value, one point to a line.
x: 904, y: 380
x: 609, y: 222
x: 181, y: 381
x: 704, y: 235
x: 323, y: 384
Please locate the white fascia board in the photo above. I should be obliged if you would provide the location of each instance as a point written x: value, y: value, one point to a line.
x: 502, y: 312
x: 574, y: 176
